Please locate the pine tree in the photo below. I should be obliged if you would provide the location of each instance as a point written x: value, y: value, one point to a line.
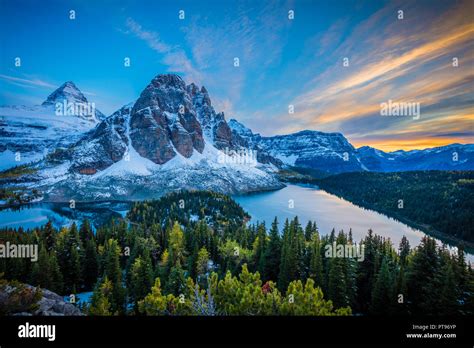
x: 113, y: 272
x: 284, y: 276
x: 337, y: 287
x: 382, y: 296
x: 448, y: 294
x: 91, y: 264
x: 70, y: 257
x: 273, y: 254
x: 74, y: 274
x: 48, y: 236
x: 176, y: 249
x: 308, y: 231
x: 102, y: 298
x: 422, y: 285
x: 404, y: 250
x: 141, y: 277
x: 202, y: 262
x: 176, y: 280
x: 85, y: 232
x: 316, y: 260
x: 260, y: 246
x: 45, y: 272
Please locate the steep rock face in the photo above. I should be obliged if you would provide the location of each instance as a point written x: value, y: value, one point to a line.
x: 214, y: 125
x: 169, y: 139
x: 103, y: 146
x: 163, y: 121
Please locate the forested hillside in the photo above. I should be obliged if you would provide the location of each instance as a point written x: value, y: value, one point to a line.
x: 167, y: 268
x: 437, y: 201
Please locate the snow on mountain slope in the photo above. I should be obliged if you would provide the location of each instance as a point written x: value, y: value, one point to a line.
x: 29, y: 133
x: 332, y: 152
x: 169, y: 139
x: 329, y: 152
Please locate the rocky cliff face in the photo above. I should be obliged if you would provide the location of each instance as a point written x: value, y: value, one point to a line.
x: 170, y: 138
x: 164, y: 121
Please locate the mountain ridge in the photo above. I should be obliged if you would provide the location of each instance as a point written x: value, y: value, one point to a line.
x: 172, y: 138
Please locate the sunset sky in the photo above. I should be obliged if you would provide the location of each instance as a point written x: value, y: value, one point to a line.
x: 282, y: 62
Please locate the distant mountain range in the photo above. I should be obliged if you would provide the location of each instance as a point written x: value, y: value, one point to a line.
x: 332, y: 153
x: 171, y: 138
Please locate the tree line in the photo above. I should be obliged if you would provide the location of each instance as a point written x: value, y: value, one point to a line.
x: 212, y: 267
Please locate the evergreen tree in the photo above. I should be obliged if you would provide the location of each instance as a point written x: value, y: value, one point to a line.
x: 404, y: 250
x: 48, y: 236
x: 141, y: 277
x: 422, y: 284
x: 448, y: 295
x: 316, y: 260
x: 284, y: 276
x: 382, y: 297
x: 85, y: 232
x: 176, y: 249
x: 45, y: 272
x: 70, y: 257
x: 202, y: 262
x: 273, y: 254
x: 102, y: 298
x: 176, y: 280
x: 308, y: 231
x: 91, y: 264
x: 113, y: 272
x: 260, y: 246
x: 337, y: 287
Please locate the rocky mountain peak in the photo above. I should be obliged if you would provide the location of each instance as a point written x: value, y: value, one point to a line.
x: 69, y: 100
x: 67, y: 91
x: 163, y: 121
x: 168, y: 80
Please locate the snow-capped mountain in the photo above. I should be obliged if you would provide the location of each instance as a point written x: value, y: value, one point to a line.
x: 330, y: 152
x: 171, y: 138
x: 28, y: 134
x: 69, y: 100
x: 450, y: 157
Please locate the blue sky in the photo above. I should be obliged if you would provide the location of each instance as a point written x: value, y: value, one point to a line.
x: 282, y: 62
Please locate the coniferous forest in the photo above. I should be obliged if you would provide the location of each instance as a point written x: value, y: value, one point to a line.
x: 193, y: 253
x: 418, y: 198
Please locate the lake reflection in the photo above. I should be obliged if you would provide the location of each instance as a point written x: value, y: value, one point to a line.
x: 327, y: 210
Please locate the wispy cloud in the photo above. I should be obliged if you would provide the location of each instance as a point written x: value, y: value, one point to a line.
x: 173, y: 56
x: 150, y: 37
x: 406, y: 60
x: 253, y: 34
x: 27, y: 82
